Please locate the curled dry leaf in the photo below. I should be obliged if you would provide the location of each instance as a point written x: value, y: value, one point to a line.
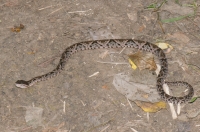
x: 142, y: 61
x: 151, y: 107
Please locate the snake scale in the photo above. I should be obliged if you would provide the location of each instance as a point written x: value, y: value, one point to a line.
x: 118, y: 43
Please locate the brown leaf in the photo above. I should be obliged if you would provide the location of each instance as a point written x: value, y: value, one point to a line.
x: 143, y: 61
x: 180, y: 37
x: 105, y: 87
x: 17, y: 28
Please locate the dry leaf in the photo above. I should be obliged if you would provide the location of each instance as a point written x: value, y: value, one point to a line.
x: 133, y: 66
x: 17, y: 28
x: 105, y: 87
x: 180, y: 37
x: 151, y: 107
x: 165, y: 46
x: 135, y: 91
x: 142, y: 61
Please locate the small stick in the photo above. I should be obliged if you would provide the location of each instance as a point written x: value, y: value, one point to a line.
x: 55, y: 11
x: 79, y: 11
x: 83, y: 103
x: 148, y: 116
x: 133, y: 130
x: 105, y: 128
x: 122, y: 50
x: 45, y: 63
x: 130, y: 104
x: 45, y: 7
x: 94, y: 74
x: 64, y: 106
x: 116, y: 63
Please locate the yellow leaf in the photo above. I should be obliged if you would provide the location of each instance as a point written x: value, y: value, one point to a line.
x: 161, y: 104
x: 132, y: 64
x: 151, y: 107
x: 164, y: 45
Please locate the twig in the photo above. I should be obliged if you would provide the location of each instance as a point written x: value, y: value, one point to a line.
x: 55, y: 11
x: 45, y: 7
x: 148, y: 116
x: 116, y: 63
x: 194, y: 65
x: 80, y: 11
x: 105, y: 128
x: 45, y: 63
x: 130, y: 104
x: 83, y: 103
x: 64, y: 106
x: 94, y: 74
x: 122, y: 50
x: 133, y: 130
x: 160, y: 24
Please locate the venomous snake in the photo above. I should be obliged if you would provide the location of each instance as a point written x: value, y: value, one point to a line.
x: 118, y: 43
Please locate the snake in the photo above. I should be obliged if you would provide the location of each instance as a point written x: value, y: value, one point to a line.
x: 119, y: 43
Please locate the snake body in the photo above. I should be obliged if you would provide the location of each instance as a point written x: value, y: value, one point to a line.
x: 118, y: 43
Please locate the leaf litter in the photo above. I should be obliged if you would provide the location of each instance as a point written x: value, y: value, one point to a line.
x: 143, y: 95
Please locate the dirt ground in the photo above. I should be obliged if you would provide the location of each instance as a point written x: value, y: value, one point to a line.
x: 73, y: 101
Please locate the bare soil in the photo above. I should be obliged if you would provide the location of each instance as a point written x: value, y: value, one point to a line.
x: 74, y: 102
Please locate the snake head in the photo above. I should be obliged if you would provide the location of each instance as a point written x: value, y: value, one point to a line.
x: 21, y: 84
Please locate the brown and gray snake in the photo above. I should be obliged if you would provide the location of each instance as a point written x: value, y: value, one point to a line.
x: 118, y: 43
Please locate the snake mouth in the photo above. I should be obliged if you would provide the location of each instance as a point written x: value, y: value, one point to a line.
x: 21, y: 84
